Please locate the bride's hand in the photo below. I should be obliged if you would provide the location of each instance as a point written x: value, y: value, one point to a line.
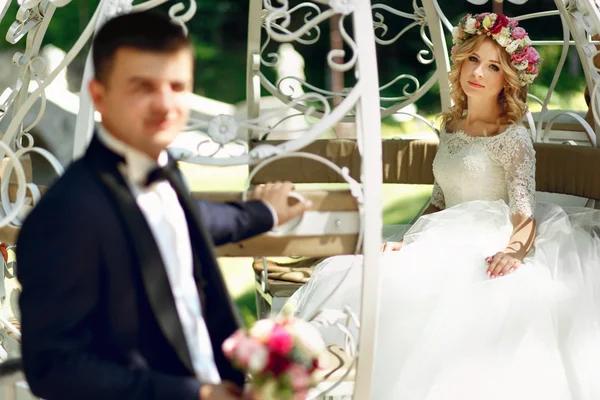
x: 391, y: 246
x: 501, y: 264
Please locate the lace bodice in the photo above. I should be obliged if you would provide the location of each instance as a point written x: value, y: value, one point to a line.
x: 500, y: 167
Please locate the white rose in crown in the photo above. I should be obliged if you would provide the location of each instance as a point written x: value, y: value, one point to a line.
x: 470, y: 26
x: 514, y: 45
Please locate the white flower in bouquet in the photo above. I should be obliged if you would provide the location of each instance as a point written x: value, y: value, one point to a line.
x: 258, y: 360
x: 309, y: 339
x: 262, y: 329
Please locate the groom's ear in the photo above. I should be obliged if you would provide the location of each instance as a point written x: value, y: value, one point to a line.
x: 97, y: 93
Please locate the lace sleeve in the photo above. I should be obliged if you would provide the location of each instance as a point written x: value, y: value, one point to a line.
x: 518, y: 160
x: 437, y: 196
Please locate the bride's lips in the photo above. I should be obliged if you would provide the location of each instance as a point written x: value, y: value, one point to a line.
x: 476, y: 85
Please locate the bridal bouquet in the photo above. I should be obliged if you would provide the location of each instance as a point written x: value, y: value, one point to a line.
x: 281, y: 355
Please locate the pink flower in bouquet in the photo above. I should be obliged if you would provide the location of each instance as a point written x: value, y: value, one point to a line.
x: 282, y: 356
x: 277, y: 364
x: 281, y: 341
x: 301, y: 395
x: 299, y: 377
x: 231, y: 343
x: 246, y: 349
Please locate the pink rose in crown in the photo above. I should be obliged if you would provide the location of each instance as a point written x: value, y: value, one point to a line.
x: 518, y: 58
x: 519, y: 33
x: 528, y: 54
x: 513, y: 22
x: 501, y: 22
x: 532, y: 55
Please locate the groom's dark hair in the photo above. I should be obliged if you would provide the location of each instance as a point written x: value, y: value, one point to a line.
x: 147, y: 31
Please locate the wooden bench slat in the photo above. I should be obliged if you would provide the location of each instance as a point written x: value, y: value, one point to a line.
x: 559, y: 169
x: 290, y: 246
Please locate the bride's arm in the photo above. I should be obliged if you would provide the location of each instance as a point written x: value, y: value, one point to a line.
x: 438, y: 202
x: 523, y: 236
x: 431, y: 209
x: 518, y: 159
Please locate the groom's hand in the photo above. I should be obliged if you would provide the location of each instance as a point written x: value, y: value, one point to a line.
x: 276, y: 195
x: 223, y: 391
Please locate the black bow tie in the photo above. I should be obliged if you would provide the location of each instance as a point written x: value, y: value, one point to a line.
x: 166, y: 173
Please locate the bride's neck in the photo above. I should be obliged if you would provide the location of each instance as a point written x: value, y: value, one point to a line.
x: 480, y: 110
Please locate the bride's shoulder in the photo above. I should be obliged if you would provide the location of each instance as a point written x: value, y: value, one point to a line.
x: 454, y: 125
x: 516, y: 131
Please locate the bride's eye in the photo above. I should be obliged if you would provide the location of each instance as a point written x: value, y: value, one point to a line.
x: 494, y: 67
x: 473, y: 59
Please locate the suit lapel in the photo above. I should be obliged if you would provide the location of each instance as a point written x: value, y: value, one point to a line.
x: 104, y: 164
x: 220, y: 314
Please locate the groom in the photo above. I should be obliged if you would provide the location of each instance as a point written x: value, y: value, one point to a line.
x: 122, y: 298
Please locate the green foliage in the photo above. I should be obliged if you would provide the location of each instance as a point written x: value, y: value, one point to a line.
x: 219, y: 31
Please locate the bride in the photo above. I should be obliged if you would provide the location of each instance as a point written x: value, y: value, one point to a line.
x: 491, y: 295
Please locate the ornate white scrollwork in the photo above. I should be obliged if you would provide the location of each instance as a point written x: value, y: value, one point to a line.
x: 310, y: 37
x: 28, y: 17
x: 181, y: 19
x: 4, y: 4
x: 482, y: 2
x: 344, y: 7
x: 277, y: 19
x: 223, y: 129
x: 264, y: 151
x: 114, y: 8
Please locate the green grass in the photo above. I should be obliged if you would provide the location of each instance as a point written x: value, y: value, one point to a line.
x: 401, y: 203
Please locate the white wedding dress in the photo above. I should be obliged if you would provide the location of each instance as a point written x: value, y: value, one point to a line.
x: 446, y: 330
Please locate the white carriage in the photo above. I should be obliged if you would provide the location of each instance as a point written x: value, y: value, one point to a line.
x: 347, y: 221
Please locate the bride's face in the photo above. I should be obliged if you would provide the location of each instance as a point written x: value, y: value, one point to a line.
x: 481, y: 75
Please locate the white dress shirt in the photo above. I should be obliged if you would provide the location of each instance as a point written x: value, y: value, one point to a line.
x: 162, y: 210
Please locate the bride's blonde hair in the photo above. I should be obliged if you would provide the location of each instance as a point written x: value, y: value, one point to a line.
x: 512, y: 98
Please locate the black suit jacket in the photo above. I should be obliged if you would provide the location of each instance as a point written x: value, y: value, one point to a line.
x: 98, y: 316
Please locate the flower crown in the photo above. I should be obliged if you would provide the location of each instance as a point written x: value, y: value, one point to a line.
x: 506, y: 32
